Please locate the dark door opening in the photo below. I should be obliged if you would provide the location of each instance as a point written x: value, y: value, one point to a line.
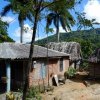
x: 2, y: 76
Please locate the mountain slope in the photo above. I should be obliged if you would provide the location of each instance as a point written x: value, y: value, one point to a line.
x: 87, y: 35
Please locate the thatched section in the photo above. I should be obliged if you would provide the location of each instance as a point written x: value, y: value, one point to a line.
x: 95, y: 57
x: 72, y: 48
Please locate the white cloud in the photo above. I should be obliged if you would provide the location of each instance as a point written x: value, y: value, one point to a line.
x: 61, y: 30
x: 7, y: 19
x: 27, y: 36
x: 92, y: 9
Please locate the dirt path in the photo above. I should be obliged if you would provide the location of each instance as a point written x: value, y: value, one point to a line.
x: 74, y: 91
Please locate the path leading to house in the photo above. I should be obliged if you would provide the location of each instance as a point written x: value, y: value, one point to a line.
x: 75, y: 90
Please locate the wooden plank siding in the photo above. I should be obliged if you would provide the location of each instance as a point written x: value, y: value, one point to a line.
x: 94, y: 70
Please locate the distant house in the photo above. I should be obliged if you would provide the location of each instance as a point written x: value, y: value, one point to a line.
x: 14, y: 60
x: 94, y: 64
x: 72, y: 48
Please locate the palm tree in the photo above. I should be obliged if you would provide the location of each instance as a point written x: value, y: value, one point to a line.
x: 22, y: 9
x: 60, y: 14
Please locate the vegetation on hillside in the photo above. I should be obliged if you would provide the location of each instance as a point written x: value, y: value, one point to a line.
x: 4, y: 33
x: 88, y: 39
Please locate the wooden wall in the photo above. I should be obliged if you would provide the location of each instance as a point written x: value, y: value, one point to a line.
x: 94, y: 70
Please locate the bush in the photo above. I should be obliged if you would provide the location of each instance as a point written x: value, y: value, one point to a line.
x: 33, y: 92
x: 71, y: 72
x: 10, y: 96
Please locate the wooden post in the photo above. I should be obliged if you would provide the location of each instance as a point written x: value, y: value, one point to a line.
x: 8, y: 75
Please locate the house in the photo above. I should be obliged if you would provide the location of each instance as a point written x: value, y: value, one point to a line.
x: 94, y: 64
x: 72, y: 48
x: 14, y: 60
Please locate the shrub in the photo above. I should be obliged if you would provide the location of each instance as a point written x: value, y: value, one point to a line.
x: 71, y: 72
x: 10, y: 96
x: 33, y: 92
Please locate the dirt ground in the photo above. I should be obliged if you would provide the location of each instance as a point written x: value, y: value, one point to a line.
x: 75, y: 89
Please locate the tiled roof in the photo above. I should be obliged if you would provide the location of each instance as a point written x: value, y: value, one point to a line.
x: 21, y: 51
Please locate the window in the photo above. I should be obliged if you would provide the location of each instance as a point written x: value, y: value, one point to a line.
x: 61, y: 64
x: 40, y: 70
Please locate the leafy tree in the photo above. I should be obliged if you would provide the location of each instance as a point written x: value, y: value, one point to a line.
x: 86, y: 47
x: 3, y: 32
x: 39, y: 7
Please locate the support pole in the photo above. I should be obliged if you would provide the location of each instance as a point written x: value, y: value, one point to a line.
x: 8, y: 74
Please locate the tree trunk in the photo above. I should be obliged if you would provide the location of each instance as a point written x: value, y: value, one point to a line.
x: 21, y: 31
x: 57, y: 30
x: 26, y: 85
x: 58, y: 34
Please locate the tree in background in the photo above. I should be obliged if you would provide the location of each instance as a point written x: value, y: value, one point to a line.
x: 23, y: 9
x: 3, y: 32
x: 60, y: 15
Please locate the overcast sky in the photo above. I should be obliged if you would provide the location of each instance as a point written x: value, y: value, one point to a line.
x: 90, y: 7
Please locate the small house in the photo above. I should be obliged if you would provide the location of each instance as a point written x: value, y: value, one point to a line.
x: 94, y: 64
x: 14, y: 60
x: 72, y: 48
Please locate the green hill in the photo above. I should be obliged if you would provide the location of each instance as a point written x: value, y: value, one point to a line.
x: 92, y: 36
x: 88, y: 39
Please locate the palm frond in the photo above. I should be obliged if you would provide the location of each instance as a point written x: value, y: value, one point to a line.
x: 6, y: 9
x: 49, y: 19
x: 63, y: 24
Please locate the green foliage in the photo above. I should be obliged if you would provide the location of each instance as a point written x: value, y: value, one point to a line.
x: 86, y: 47
x: 3, y: 32
x: 71, y: 71
x: 88, y: 39
x: 60, y: 15
x: 84, y: 65
x: 10, y: 96
x: 33, y: 93
x: 23, y: 8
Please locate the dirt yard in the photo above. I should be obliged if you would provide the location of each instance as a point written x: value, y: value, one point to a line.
x: 75, y: 90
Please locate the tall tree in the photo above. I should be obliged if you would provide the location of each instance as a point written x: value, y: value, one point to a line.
x: 60, y: 14
x: 39, y: 7
x: 23, y: 11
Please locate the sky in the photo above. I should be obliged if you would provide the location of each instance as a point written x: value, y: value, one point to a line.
x: 90, y: 7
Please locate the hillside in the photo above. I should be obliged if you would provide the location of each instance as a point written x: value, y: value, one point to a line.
x: 88, y: 39
x: 91, y: 35
x: 5, y: 38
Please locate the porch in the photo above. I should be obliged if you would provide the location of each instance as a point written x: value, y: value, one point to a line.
x: 11, y: 75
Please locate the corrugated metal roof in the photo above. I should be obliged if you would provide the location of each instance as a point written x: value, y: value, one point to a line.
x: 21, y: 51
